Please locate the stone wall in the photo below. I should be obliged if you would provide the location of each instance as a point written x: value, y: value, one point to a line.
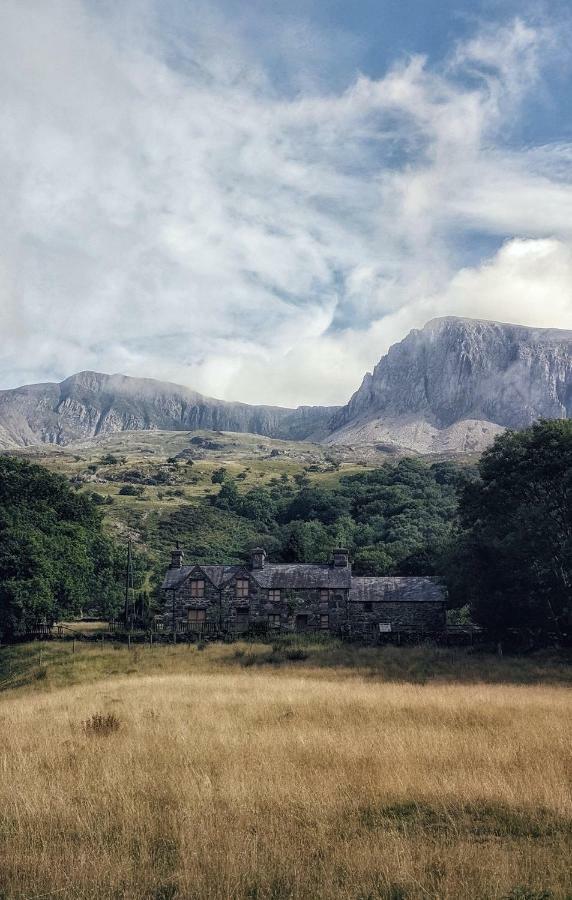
x: 184, y: 601
x: 424, y: 616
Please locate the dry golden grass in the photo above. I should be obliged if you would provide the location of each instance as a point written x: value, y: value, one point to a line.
x: 230, y: 782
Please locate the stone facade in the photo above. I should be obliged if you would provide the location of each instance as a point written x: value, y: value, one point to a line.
x: 263, y: 596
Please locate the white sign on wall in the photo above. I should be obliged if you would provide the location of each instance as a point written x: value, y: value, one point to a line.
x: 385, y: 626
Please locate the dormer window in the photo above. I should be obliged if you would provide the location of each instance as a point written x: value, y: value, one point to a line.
x: 241, y: 589
x: 197, y: 588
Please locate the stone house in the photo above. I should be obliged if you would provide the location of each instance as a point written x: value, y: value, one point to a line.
x: 262, y: 596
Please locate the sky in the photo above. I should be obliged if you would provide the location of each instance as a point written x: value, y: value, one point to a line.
x: 258, y: 199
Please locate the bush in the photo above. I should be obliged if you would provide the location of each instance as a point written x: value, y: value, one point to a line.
x: 100, y: 724
x: 295, y: 654
x: 131, y: 490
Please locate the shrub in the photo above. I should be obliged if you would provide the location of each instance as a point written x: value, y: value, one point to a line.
x: 131, y: 490
x: 296, y: 653
x: 100, y: 724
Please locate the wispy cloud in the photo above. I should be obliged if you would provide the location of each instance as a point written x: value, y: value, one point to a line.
x: 173, y: 204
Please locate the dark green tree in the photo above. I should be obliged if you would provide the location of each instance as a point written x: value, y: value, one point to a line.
x: 54, y: 558
x: 514, y: 562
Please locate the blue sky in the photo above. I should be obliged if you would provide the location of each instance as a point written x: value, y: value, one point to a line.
x: 258, y: 199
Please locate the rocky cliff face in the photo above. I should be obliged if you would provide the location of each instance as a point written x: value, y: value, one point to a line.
x: 456, y: 383
x: 451, y: 386
x: 91, y: 404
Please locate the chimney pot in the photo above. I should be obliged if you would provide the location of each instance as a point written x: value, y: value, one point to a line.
x: 340, y: 558
x: 257, y: 558
x: 176, y: 558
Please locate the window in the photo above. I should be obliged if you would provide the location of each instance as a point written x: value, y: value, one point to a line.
x: 301, y: 622
x: 367, y: 607
x: 325, y: 622
x: 324, y: 595
x: 274, y: 620
x: 198, y: 588
x: 196, y: 616
x: 274, y: 595
x: 241, y: 588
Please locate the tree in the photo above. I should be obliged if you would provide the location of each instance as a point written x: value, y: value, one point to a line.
x: 219, y: 475
x: 372, y: 561
x: 52, y: 550
x: 514, y: 560
x: 228, y: 496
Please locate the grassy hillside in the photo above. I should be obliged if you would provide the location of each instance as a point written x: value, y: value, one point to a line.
x: 176, y: 772
x: 253, y: 460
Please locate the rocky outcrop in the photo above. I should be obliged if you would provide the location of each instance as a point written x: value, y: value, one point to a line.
x: 456, y: 383
x: 449, y: 387
x: 91, y: 404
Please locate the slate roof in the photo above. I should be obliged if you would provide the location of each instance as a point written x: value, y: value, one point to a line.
x: 304, y: 576
x: 288, y: 576
x: 396, y: 590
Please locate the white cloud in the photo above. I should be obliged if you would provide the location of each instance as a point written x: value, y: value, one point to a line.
x: 168, y: 211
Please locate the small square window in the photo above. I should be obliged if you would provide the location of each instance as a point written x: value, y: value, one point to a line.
x: 241, y: 589
x: 324, y: 595
x: 274, y: 620
x: 274, y: 595
x: 324, y: 622
x: 197, y: 587
x: 196, y: 616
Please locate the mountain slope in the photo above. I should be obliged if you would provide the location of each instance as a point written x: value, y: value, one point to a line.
x: 450, y: 386
x: 91, y: 404
x: 456, y: 383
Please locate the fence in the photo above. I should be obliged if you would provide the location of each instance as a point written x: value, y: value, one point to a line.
x: 230, y: 629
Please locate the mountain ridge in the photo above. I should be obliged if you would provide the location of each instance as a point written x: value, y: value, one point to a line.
x: 451, y: 385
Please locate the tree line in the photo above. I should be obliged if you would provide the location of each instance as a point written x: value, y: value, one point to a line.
x: 498, y: 533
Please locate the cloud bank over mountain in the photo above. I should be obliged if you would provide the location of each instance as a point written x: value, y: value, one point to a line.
x: 230, y: 204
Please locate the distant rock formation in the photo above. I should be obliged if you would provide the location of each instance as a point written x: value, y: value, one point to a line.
x: 91, y: 404
x: 449, y: 387
x: 454, y: 384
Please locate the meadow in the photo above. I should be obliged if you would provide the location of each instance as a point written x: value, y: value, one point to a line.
x: 299, y: 770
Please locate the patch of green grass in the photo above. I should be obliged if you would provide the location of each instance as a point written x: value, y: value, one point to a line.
x: 20, y: 664
x: 476, y: 820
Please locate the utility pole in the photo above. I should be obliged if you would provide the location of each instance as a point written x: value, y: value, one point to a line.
x: 129, y: 588
x: 174, y: 618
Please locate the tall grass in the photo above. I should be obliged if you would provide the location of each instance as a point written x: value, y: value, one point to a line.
x: 227, y: 781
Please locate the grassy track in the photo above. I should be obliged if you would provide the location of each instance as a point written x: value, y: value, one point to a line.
x: 236, y: 772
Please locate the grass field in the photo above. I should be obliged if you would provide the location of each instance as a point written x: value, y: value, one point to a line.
x: 302, y: 771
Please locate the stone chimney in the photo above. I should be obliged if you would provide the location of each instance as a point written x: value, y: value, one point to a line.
x: 340, y: 558
x: 257, y: 558
x: 176, y: 558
